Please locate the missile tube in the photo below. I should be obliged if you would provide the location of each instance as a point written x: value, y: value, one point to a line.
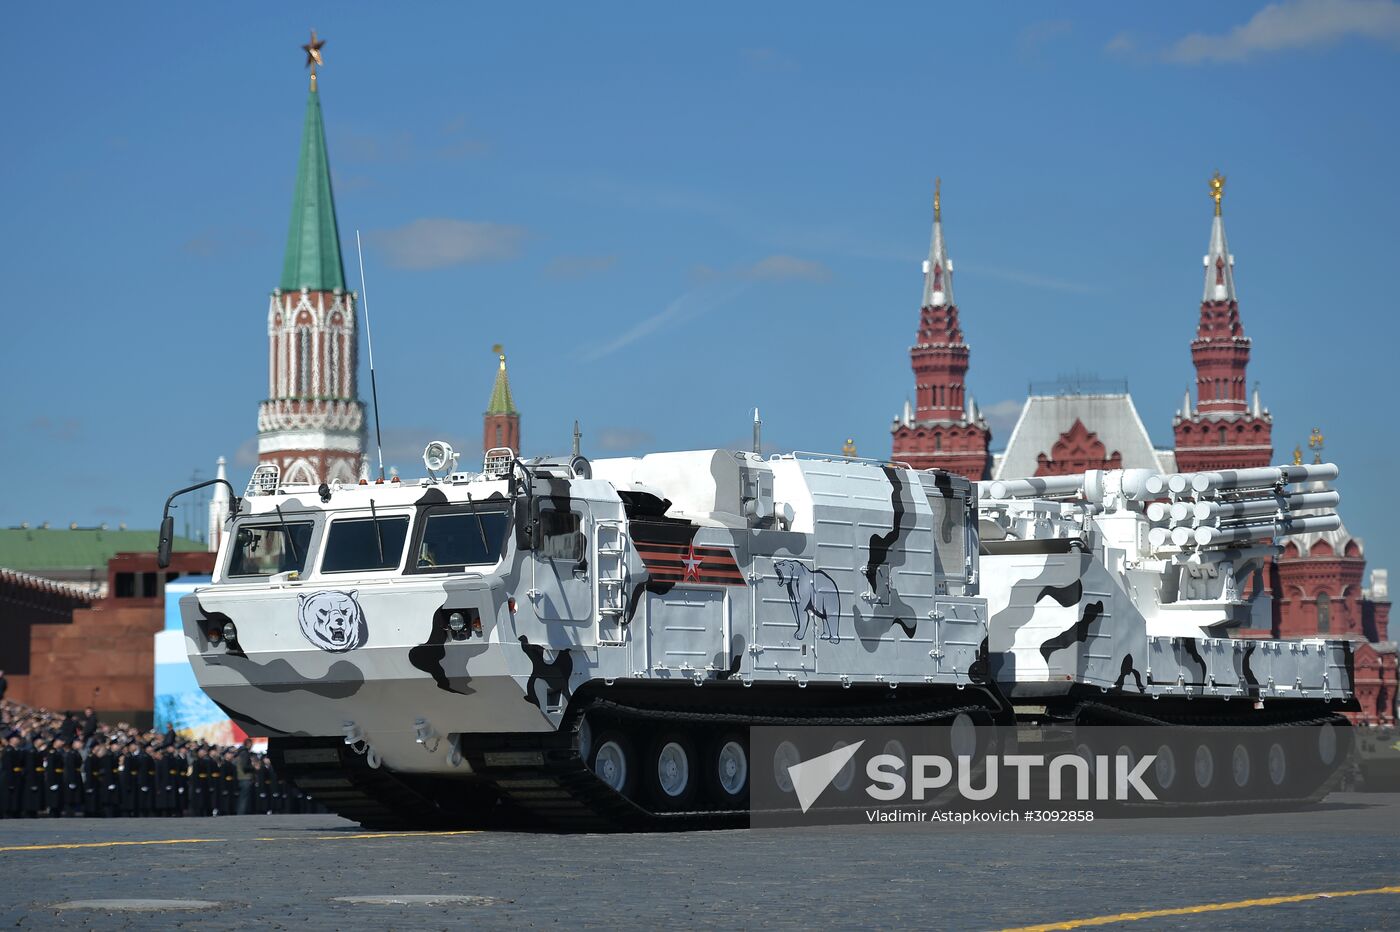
x: 1257, y: 478
x: 1036, y: 487
x: 1208, y: 536
x: 1231, y: 511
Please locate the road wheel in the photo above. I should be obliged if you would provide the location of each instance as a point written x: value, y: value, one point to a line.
x: 1277, y: 766
x: 1168, y: 775
x: 962, y: 736
x: 1327, y: 744
x: 785, y: 755
x: 673, y: 771
x: 1241, y: 765
x: 585, y: 738
x: 615, y: 763
x: 845, y: 777
x: 1203, y: 766
x: 729, y: 771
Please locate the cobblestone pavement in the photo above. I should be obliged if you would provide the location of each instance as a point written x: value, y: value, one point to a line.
x: 321, y: 872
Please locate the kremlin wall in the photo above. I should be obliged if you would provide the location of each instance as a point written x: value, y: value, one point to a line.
x: 312, y: 426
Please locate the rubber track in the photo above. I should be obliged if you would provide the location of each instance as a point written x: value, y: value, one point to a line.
x: 559, y: 793
x: 567, y: 795
x: 342, y: 781
x: 1230, y: 721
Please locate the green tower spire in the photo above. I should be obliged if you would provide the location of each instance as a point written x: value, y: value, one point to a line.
x: 501, y: 402
x: 313, y: 242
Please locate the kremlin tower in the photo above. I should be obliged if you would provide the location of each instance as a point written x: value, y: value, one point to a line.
x: 944, y: 428
x: 501, y: 422
x: 1223, y: 431
x: 312, y: 423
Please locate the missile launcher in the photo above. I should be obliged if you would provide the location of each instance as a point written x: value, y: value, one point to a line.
x: 584, y: 645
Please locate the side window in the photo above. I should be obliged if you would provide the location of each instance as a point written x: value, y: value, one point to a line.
x: 364, y: 544
x: 264, y: 549
x: 455, y: 537
x: 561, y: 535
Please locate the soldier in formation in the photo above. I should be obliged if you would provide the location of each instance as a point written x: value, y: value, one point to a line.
x: 65, y: 765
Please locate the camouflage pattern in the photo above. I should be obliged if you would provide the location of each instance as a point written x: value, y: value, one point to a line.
x: 1078, y: 596
x: 667, y: 567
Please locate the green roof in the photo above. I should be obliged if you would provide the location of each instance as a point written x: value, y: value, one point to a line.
x: 313, y: 242
x: 35, y: 548
x: 501, y: 402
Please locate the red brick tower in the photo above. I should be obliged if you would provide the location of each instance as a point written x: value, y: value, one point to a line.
x: 1319, y: 592
x: 944, y: 428
x: 312, y: 424
x: 1224, y: 431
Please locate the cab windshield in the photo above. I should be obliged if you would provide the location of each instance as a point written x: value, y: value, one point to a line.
x: 265, y: 549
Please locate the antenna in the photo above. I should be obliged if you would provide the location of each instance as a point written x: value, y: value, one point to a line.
x: 369, y: 336
x: 757, y: 432
x: 578, y: 437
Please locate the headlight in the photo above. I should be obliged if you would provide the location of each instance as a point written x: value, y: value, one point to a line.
x: 457, y: 622
x: 230, y: 632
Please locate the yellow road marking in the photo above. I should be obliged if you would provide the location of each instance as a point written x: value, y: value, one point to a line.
x: 1202, y: 908
x: 207, y: 841
x: 112, y: 844
x: 367, y: 835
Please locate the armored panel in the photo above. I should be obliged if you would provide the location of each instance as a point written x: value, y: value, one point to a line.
x: 688, y: 628
x: 786, y: 596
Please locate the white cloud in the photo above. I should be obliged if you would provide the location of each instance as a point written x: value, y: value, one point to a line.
x: 1295, y: 24
x: 60, y: 430
x: 437, y: 243
x: 1121, y: 44
x: 1028, y: 278
x: 1044, y: 32
x: 246, y: 455
x: 688, y: 306
x: 622, y: 439
x: 678, y: 310
x: 1001, y: 416
x: 776, y: 268
x: 785, y: 268
x: 574, y: 267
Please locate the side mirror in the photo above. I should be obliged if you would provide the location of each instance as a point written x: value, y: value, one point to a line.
x: 525, y: 523
x: 167, y: 540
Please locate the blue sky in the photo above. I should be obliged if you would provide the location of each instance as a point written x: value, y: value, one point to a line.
x: 669, y: 216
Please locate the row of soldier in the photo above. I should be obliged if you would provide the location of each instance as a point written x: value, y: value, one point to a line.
x: 115, y: 771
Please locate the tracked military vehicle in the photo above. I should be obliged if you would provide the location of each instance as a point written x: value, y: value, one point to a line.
x: 585, y: 645
x: 1128, y: 598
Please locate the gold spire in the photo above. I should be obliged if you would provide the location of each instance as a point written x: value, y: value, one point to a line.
x: 849, y: 447
x: 1298, y: 456
x: 313, y: 56
x: 937, y: 200
x: 1315, y: 444
x: 1217, y: 190
x: 501, y: 400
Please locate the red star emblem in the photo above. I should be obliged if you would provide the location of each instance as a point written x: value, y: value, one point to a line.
x: 692, y: 565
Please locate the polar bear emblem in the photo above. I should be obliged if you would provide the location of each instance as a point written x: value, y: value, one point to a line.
x: 332, y: 620
x: 811, y: 594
